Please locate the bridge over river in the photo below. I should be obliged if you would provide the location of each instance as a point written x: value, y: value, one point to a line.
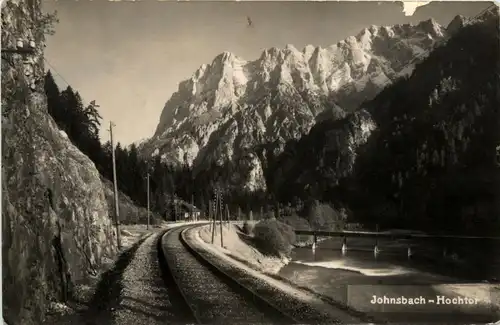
x: 471, y: 258
x: 350, y: 267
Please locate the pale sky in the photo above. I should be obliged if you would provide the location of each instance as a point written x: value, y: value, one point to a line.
x: 130, y: 56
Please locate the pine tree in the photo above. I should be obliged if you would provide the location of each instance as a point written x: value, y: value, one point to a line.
x: 54, y: 104
x: 92, y: 120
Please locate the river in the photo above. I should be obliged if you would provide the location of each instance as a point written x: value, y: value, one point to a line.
x: 353, y: 277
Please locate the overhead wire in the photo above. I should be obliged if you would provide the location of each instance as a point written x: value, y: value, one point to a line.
x: 53, y: 69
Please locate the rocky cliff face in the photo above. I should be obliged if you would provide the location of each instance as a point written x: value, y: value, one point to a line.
x: 55, y: 226
x: 320, y: 159
x: 231, y: 106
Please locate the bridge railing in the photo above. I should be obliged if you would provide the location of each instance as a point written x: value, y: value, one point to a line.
x: 444, y: 240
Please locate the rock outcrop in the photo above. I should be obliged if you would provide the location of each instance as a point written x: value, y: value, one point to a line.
x: 56, y: 231
x: 320, y: 159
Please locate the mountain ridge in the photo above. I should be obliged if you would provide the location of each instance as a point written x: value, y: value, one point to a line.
x: 230, y: 106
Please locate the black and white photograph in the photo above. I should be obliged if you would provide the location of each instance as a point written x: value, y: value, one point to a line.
x: 250, y: 162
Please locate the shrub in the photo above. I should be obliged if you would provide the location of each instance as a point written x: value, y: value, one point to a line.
x: 274, y: 238
x: 298, y: 223
x: 268, y: 215
x: 322, y: 216
x: 287, y: 232
x: 248, y: 228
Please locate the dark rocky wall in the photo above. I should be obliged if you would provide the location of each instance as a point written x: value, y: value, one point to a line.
x: 56, y: 231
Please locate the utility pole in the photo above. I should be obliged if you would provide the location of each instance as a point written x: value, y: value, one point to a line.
x: 115, y: 188
x: 175, y: 207
x: 220, y: 216
x: 147, y: 182
x: 192, y: 208
x: 210, y: 213
x: 193, y: 213
x: 216, y: 207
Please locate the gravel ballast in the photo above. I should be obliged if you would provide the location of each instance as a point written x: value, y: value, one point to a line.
x: 138, y: 291
x: 212, y: 298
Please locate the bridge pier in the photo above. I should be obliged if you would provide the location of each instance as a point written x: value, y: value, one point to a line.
x: 444, y: 243
x: 315, y: 242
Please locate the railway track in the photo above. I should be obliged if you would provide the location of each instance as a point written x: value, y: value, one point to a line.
x: 212, y: 295
x: 299, y: 310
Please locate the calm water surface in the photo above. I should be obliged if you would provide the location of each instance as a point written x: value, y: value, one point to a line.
x: 358, y: 273
x: 470, y: 262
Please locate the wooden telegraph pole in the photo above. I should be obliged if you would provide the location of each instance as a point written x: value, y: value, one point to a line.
x: 175, y: 207
x: 220, y: 216
x: 215, y: 207
x: 210, y: 213
x: 192, y: 207
x: 147, y: 182
x: 115, y: 188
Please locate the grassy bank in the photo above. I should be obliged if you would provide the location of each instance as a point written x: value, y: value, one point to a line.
x: 242, y: 246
